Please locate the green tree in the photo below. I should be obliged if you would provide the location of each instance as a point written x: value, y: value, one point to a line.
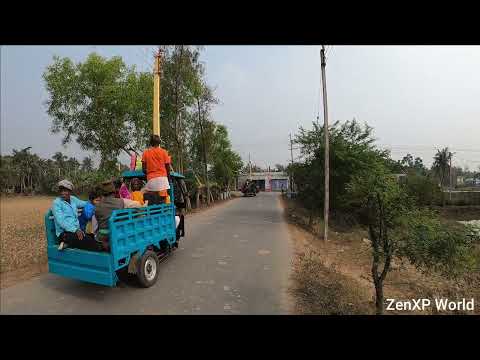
x: 180, y: 78
x: 226, y: 162
x: 441, y: 164
x: 397, y: 227
x: 423, y: 189
x: 413, y: 165
x: 204, y: 99
x: 87, y: 164
x: 27, y: 168
x: 441, y: 167
x: 419, y: 167
x: 102, y: 103
x: 352, y: 150
x: 407, y: 161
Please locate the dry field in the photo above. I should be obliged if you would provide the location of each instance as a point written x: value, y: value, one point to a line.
x: 335, y: 277
x: 22, y: 241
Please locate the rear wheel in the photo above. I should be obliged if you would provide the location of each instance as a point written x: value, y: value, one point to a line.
x: 147, y: 272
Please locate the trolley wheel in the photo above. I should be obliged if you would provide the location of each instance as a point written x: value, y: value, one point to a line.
x: 147, y: 272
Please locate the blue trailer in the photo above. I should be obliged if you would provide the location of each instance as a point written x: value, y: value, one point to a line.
x: 139, y: 239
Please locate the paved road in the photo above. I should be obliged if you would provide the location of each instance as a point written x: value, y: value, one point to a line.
x: 235, y: 259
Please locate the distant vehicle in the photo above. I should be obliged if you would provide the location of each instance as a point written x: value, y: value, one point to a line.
x: 249, y: 189
x: 147, y: 235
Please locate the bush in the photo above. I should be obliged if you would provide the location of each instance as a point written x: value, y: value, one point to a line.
x: 424, y: 190
x: 432, y: 245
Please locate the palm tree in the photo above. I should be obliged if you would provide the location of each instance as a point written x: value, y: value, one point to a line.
x: 60, y: 162
x: 87, y: 164
x: 441, y: 164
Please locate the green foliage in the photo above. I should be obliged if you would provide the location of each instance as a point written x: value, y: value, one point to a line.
x: 397, y: 227
x: 430, y: 244
x: 351, y: 151
x: 179, y: 85
x: 379, y: 202
x: 106, y: 106
x: 413, y: 166
x: 226, y: 162
x: 23, y: 172
x: 103, y: 104
x: 424, y: 190
x: 441, y: 164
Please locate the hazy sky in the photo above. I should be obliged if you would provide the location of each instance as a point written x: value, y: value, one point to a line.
x: 417, y: 98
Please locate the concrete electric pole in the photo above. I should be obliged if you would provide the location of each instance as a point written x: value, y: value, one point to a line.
x: 249, y: 167
x: 156, y: 94
x: 327, y: 155
x: 291, y: 155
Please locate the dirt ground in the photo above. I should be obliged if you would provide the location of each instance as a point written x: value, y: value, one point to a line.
x: 335, y: 277
x: 22, y: 242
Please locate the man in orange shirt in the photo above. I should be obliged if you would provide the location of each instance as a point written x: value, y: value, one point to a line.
x: 156, y: 165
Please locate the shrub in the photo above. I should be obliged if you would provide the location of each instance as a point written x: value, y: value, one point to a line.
x: 424, y: 190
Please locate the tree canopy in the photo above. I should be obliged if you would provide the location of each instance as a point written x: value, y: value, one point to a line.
x: 101, y: 103
x: 106, y: 106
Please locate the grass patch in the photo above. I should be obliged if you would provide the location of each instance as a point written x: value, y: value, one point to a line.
x: 322, y: 290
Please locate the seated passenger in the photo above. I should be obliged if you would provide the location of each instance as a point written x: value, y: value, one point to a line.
x: 137, y: 194
x: 67, y: 226
x: 107, y: 204
x: 121, y: 190
x: 153, y: 198
x: 88, y: 212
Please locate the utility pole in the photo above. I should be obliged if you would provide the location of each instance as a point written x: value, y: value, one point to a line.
x: 291, y: 155
x: 327, y: 155
x: 450, y: 192
x: 156, y: 94
x: 249, y: 166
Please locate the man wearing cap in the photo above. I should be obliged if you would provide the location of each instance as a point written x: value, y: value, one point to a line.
x: 67, y: 227
x: 108, y: 203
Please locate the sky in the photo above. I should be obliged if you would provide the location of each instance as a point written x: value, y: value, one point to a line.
x: 417, y: 98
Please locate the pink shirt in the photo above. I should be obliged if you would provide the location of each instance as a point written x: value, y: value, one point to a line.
x: 124, y: 193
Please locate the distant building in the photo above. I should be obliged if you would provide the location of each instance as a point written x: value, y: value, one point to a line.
x: 266, y: 181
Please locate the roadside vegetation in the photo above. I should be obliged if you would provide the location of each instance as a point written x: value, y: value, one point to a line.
x: 106, y: 107
x: 392, y: 202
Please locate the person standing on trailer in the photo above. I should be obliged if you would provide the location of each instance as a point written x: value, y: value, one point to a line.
x: 156, y: 165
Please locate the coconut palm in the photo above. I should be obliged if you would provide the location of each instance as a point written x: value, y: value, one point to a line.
x: 87, y: 164
x: 441, y: 164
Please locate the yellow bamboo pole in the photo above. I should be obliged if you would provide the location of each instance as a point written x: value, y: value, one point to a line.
x: 156, y: 95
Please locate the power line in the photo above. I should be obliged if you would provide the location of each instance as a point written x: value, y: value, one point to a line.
x: 426, y: 147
